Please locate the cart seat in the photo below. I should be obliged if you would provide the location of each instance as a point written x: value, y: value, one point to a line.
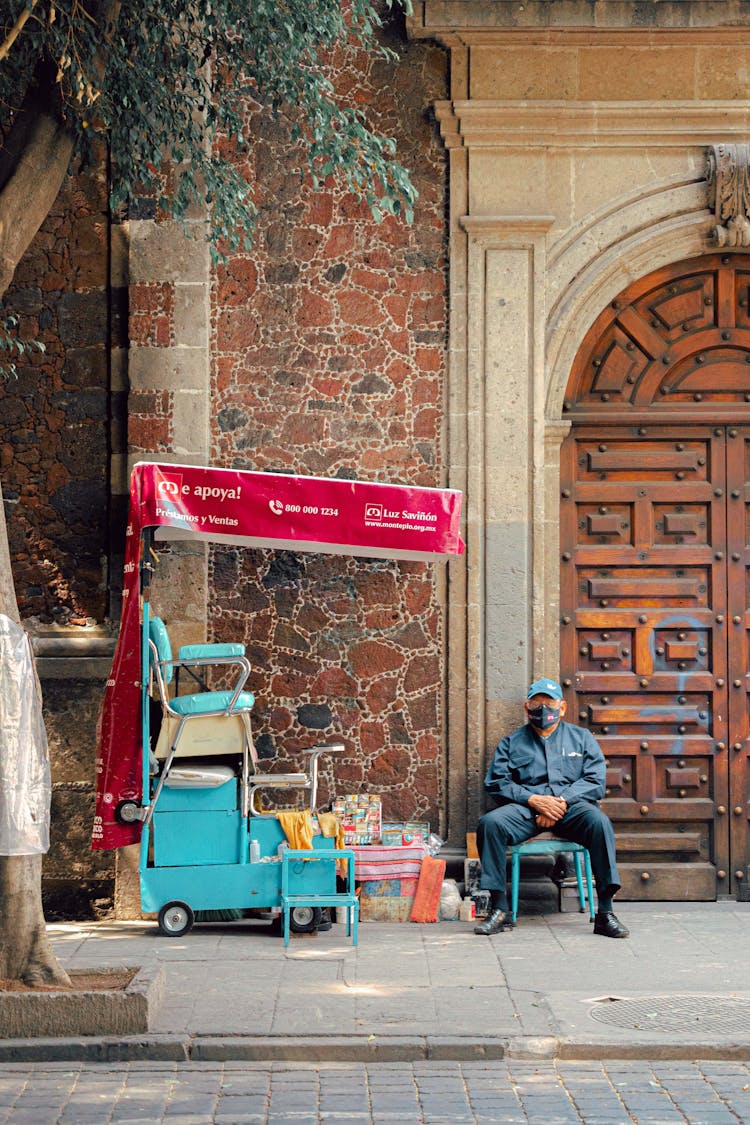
x: 198, y: 776
x: 207, y: 651
x: 207, y: 702
x: 227, y: 711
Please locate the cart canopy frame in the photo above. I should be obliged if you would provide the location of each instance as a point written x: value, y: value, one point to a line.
x: 250, y: 509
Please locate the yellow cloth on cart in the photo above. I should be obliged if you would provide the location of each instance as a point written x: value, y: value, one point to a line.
x: 330, y: 826
x: 297, y: 827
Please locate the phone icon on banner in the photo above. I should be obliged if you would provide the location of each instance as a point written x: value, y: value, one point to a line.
x: 168, y: 485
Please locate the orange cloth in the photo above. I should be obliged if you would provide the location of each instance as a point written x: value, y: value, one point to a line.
x: 427, y: 899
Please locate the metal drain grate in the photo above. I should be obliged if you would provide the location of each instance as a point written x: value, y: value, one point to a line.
x: 676, y: 1013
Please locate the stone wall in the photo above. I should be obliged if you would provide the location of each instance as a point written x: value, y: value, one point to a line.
x: 56, y: 414
x: 330, y: 343
x: 76, y: 881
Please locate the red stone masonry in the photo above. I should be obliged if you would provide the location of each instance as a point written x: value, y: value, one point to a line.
x: 151, y: 320
x: 328, y: 358
x: 329, y: 349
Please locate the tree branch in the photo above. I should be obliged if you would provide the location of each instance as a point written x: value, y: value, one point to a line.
x: 38, y: 152
x: 16, y: 30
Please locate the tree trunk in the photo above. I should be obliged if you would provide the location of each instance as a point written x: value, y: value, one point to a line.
x: 25, y: 950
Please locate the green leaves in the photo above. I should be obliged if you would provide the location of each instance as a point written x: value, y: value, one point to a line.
x: 179, y: 81
x: 13, y: 346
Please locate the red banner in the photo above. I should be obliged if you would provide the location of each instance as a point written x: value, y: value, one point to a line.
x: 255, y: 510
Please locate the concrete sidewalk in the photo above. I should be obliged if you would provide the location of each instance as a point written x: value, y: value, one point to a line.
x: 677, y: 988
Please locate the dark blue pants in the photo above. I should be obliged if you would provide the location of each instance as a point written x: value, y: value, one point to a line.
x: 584, y: 823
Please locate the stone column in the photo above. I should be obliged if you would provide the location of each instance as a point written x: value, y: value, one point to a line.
x: 505, y: 495
x: 174, y: 368
x: 178, y: 370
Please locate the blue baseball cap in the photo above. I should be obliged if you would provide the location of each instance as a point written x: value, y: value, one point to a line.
x: 545, y: 687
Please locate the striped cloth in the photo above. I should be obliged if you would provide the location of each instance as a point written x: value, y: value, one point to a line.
x: 371, y: 862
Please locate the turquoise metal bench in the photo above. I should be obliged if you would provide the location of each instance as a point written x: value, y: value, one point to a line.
x: 547, y: 844
x: 346, y: 898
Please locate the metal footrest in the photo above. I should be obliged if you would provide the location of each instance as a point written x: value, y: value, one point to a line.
x: 346, y: 898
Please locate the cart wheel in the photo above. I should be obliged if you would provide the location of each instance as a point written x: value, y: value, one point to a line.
x: 127, y: 812
x: 176, y: 919
x: 304, y: 919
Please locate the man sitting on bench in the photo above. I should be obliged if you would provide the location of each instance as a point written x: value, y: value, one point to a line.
x: 547, y: 775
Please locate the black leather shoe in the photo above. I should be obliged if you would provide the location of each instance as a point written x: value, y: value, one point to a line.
x: 563, y: 868
x: 494, y: 923
x: 325, y: 921
x: 609, y: 925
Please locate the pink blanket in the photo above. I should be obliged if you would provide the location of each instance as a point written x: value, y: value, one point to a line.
x: 375, y: 862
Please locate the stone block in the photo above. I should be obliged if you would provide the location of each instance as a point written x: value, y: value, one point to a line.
x: 163, y: 252
x: 171, y: 369
x: 191, y: 315
x: 191, y: 420
x: 526, y: 73
x: 721, y: 73
x: 179, y: 593
x: 621, y: 73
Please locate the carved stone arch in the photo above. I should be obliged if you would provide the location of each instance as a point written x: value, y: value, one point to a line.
x: 603, y: 278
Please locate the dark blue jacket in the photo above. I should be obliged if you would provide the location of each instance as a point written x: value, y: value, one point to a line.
x: 568, y: 763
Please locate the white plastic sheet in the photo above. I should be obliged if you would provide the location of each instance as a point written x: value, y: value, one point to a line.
x: 25, y: 783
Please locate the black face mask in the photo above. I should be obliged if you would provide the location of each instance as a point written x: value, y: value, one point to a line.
x: 543, y: 717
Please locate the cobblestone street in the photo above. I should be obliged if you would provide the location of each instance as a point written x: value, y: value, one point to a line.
x: 517, y: 1092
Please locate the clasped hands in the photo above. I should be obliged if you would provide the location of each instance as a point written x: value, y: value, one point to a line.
x: 548, y: 809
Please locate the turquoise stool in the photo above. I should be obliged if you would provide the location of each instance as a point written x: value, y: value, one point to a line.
x: 346, y: 898
x: 547, y: 844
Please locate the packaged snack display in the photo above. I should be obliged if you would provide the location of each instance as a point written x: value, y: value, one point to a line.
x: 360, y: 816
x: 416, y: 832
x: 402, y: 835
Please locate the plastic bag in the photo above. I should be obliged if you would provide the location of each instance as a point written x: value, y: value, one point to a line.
x: 450, y: 901
x: 434, y: 844
x: 25, y: 783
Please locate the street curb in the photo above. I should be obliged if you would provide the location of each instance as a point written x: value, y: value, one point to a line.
x: 156, y: 1048
x: 666, y: 1052
x: 354, y: 1048
x: 346, y: 1048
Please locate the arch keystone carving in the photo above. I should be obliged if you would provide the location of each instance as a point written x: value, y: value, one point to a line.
x: 728, y: 175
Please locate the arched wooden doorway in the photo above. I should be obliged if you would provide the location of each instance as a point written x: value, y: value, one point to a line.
x: 655, y: 570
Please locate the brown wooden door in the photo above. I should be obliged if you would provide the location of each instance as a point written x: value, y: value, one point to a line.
x: 655, y: 638
x: 655, y: 571
x: 738, y: 625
